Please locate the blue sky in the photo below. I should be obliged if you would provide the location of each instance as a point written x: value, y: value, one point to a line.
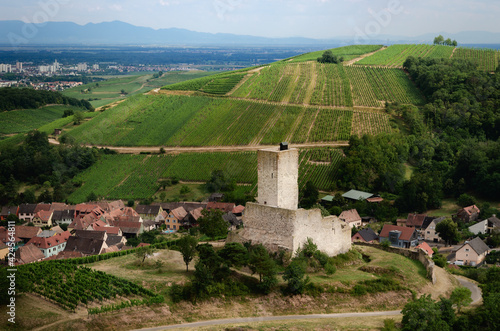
x: 272, y: 18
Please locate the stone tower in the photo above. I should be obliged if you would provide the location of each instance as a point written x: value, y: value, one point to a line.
x: 278, y: 173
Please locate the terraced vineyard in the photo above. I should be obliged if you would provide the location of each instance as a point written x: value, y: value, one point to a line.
x: 371, y: 123
x: 332, y: 86
x: 219, y: 84
x: 348, y: 52
x: 372, y: 86
x: 486, y: 59
x: 138, y: 176
x: 396, y: 55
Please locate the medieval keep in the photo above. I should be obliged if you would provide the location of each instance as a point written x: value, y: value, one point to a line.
x: 275, y: 220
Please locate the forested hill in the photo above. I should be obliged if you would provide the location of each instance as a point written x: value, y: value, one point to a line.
x: 26, y: 98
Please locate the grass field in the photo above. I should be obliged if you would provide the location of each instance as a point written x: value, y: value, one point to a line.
x: 105, y: 92
x: 25, y: 120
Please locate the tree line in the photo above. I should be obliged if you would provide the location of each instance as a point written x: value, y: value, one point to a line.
x: 26, y: 98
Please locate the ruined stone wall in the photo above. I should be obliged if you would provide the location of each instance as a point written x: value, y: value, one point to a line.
x: 331, y: 235
x: 270, y: 226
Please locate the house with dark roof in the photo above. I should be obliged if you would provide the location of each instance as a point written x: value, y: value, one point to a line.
x: 28, y: 254
x: 148, y: 211
x: 471, y: 253
x: 42, y: 207
x: 26, y: 212
x: 118, y: 241
x: 232, y: 221
x: 365, y: 235
x: 129, y: 229
x: 430, y: 233
x: 86, y: 246
x: 6, y: 211
x: 493, y: 224
x: 65, y: 216
x: 351, y: 217
x: 52, y: 245
x: 399, y: 236
x: 101, y: 235
x: 468, y: 214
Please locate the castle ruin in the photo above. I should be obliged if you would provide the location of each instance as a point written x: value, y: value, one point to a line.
x: 276, y: 221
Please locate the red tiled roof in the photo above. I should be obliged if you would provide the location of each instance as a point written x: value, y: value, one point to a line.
x: 196, y: 213
x: 143, y: 245
x: 375, y: 199
x: 44, y: 215
x: 179, y: 213
x: 415, y: 220
x: 28, y: 254
x: 59, y: 206
x: 65, y: 255
x: 42, y: 206
x: 406, y: 232
x: 471, y: 210
x: 27, y: 232
x: 4, y: 236
x: 350, y: 216
x: 426, y: 248
x: 238, y: 209
x: 224, y: 206
x: 53, y: 241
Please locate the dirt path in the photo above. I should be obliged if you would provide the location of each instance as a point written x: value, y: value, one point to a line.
x: 351, y: 62
x: 176, y: 150
x: 445, y: 283
x: 271, y: 318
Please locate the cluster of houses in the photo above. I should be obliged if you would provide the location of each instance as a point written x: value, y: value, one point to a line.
x: 60, y: 231
x: 420, y: 228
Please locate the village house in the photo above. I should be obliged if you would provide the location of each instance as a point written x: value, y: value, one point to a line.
x: 52, y: 245
x: 430, y: 231
x: 4, y: 250
x: 399, y: 236
x: 355, y: 195
x: 65, y: 216
x: 28, y: 254
x: 471, y: 253
x: 480, y: 227
x: 6, y: 211
x: 468, y: 214
x: 366, y: 235
x: 351, y: 217
x: 148, y: 211
x: 129, y: 229
x: 43, y: 218
x: 27, y: 212
x: 493, y: 224
x: 25, y: 233
x: 86, y: 246
x: 225, y: 207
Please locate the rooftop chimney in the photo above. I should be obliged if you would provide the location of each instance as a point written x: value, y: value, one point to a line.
x: 283, y: 146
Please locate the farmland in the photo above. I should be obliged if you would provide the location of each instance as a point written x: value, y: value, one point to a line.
x: 348, y: 52
x: 28, y: 119
x: 395, y: 55
x: 110, y: 90
x: 219, y: 84
x: 485, y: 59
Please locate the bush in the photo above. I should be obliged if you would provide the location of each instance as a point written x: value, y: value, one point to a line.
x: 330, y: 269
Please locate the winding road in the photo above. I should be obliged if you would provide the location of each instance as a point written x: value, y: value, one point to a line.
x: 476, y: 296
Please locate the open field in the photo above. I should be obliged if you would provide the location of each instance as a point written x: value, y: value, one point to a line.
x: 25, y: 120
x: 105, y: 92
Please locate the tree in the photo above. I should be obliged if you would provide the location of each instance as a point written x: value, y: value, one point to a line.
x: 423, y: 314
x: 219, y: 182
x: 92, y: 197
x: 143, y: 252
x: 212, y: 224
x: 234, y: 254
x: 465, y: 200
x: 78, y: 117
x: 439, y: 40
x: 309, y: 195
x: 448, y: 231
x: 187, y: 246
x: 328, y: 57
x: 185, y: 189
x: 295, y: 275
x: 261, y: 263
x: 461, y: 297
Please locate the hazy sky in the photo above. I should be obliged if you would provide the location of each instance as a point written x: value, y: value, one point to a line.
x: 272, y: 18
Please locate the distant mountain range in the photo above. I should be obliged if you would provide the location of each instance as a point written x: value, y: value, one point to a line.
x: 18, y: 33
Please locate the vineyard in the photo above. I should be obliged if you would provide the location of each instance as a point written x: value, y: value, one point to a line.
x: 396, y: 55
x: 331, y: 125
x: 371, y: 123
x: 486, y: 59
x: 71, y: 286
x: 332, y: 86
x: 348, y: 52
x: 372, y: 86
x: 320, y: 166
x: 218, y: 84
x: 138, y: 176
x: 29, y: 119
